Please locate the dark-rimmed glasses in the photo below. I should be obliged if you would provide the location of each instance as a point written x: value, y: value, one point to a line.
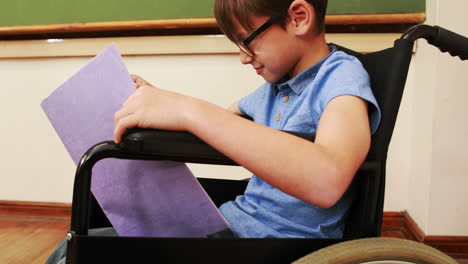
x: 244, y: 44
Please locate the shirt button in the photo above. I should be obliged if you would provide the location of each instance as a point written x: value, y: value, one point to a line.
x: 286, y: 98
x: 278, y: 117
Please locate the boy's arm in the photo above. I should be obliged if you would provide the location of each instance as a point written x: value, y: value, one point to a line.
x: 318, y: 173
x: 234, y: 108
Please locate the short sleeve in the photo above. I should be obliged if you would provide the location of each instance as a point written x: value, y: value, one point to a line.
x: 348, y: 77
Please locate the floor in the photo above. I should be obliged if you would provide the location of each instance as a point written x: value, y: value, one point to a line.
x: 31, y: 239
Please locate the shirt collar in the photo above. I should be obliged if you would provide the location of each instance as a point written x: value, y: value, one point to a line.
x: 299, y: 83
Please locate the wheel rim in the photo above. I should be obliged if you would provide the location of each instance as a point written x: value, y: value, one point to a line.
x: 387, y: 262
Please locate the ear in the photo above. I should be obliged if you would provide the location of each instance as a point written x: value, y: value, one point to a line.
x: 302, y: 17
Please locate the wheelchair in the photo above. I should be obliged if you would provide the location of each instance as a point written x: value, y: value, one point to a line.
x: 360, y: 244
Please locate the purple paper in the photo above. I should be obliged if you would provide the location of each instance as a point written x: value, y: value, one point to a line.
x: 140, y: 198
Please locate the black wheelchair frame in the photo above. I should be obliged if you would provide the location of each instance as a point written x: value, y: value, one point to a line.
x: 388, y: 71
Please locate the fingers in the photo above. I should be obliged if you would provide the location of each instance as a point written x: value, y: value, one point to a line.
x: 127, y: 116
x: 134, y: 76
x: 135, y: 109
x: 122, y: 125
x: 138, y: 81
x: 123, y: 112
x: 123, y: 117
x: 130, y: 99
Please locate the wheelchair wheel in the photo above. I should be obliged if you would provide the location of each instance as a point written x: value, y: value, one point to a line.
x: 377, y: 251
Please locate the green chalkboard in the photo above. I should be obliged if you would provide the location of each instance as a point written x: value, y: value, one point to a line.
x: 34, y: 12
x: 336, y: 7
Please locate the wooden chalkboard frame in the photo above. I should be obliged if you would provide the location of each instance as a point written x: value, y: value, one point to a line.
x: 31, y: 19
x: 378, y: 23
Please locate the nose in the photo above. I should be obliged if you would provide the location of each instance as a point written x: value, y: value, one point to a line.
x: 245, y: 58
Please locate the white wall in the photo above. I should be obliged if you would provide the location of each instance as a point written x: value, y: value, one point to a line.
x: 426, y: 166
x: 426, y: 163
x: 439, y: 135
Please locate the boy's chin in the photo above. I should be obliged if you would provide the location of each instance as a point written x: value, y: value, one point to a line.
x: 274, y: 79
x: 270, y: 79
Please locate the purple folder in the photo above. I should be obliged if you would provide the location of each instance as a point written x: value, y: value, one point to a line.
x: 140, y: 198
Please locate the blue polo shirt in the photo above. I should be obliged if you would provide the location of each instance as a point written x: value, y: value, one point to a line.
x: 297, y: 105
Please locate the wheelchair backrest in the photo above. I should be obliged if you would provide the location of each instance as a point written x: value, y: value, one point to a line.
x: 388, y: 70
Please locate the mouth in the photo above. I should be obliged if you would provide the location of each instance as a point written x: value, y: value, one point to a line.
x: 259, y: 70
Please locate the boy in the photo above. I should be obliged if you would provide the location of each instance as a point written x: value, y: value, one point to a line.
x: 299, y: 188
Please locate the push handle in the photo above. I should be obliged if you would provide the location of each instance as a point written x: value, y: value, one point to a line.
x: 451, y: 42
x: 446, y: 40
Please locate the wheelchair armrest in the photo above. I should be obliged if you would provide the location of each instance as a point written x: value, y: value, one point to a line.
x: 177, y: 146
x: 171, y: 145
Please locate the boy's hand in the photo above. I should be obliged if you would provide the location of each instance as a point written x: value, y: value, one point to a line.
x: 150, y: 107
x: 139, y: 81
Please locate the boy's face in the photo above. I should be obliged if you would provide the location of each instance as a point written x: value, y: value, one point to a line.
x: 275, y: 56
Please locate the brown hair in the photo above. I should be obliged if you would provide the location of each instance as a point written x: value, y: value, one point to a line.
x: 242, y: 10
